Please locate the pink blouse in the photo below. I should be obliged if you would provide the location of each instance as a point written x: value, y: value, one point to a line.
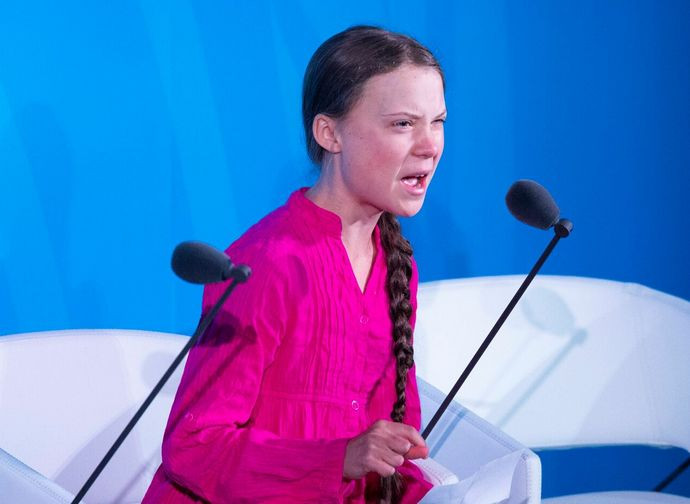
x: 297, y: 363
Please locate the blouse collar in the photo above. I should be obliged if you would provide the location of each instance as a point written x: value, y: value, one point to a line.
x: 320, y: 218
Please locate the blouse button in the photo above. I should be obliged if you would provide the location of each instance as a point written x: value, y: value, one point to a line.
x: 363, y: 319
x: 355, y: 405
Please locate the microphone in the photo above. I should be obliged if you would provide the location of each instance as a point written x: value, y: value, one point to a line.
x: 199, y: 263
x: 531, y: 203
x: 194, y: 262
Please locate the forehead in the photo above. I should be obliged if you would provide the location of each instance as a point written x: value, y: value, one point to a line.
x: 409, y: 88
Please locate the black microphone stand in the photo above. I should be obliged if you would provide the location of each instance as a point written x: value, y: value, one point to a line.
x: 671, y: 477
x: 562, y: 229
x: 240, y: 274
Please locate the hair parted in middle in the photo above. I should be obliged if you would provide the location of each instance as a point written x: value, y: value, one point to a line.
x: 333, y: 82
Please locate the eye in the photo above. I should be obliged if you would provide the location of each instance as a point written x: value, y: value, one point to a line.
x: 441, y: 120
x: 403, y: 123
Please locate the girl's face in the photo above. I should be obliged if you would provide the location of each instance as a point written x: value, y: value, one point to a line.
x: 392, y: 139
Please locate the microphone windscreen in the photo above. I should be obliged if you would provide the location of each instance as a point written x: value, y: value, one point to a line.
x: 531, y: 203
x: 199, y: 263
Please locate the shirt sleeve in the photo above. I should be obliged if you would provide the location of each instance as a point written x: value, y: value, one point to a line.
x: 210, y: 446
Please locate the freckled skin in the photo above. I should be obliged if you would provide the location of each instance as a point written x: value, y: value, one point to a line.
x: 394, y: 130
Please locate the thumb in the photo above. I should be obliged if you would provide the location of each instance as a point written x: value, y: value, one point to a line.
x: 417, y: 451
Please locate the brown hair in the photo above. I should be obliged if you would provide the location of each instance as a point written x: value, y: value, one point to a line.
x: 338, y: 69
x: 333, y: 81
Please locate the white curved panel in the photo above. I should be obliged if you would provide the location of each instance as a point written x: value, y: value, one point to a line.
x: 67, y: 395
x: 580, y: 361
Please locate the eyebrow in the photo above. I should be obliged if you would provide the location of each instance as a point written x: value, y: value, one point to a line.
x: 412, y: 115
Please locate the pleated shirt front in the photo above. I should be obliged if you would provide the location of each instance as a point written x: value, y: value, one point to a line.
x: 297, y: 363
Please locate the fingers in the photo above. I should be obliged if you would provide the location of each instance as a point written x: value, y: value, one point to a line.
x: 407, y: 438
x: 404, y: 440
x: 382, y: 448
x: 412, y: 435
x: 383, y: 469
x: 417, y: 452
x: 379, y: 458
x: 398, y: 444
x: 389, y: 448
x: 392, y: 458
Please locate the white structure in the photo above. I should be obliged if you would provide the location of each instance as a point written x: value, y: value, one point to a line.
x: 581, y: 353
x: 579, y: 362
x: 66, y: 396
x: 72, y: 392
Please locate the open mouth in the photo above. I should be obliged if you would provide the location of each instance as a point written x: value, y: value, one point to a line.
x: 414, y: 180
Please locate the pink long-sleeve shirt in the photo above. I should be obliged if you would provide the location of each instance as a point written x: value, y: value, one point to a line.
x: 297, y: 363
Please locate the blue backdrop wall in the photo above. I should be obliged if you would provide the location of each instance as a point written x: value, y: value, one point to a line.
x: 126, y: 127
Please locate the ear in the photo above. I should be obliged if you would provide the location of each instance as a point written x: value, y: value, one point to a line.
x: 323, y: 129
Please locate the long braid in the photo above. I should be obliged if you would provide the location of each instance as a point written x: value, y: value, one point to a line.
x: 333, y: 83
x: 399, y: 264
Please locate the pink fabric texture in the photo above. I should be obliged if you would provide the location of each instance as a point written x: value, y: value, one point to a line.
x: 298, y: 361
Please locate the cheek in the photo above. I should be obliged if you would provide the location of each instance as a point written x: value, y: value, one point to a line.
x: 392, y: 148
x: 360, y: 144
x: 380, y: 152
x: 440, y: 144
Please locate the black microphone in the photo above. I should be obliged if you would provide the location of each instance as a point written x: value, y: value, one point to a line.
x: 199, y: 263
x: 194, y: 262
x: 530, y: 203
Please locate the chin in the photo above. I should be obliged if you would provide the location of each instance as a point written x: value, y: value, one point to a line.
x: 409, y: 210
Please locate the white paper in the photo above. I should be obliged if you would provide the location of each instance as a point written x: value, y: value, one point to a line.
x: 491, y: 484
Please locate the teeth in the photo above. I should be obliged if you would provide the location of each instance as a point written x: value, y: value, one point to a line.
x: 411, y: 181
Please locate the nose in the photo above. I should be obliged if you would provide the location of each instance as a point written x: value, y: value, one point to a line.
x: 427, y: 143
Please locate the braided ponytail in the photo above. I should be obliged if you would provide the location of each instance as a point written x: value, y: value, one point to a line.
x: 399, y: 263
x: 333, y: 82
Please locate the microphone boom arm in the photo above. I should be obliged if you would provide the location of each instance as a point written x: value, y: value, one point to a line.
x: 240, y: 274
x: 562, y: 229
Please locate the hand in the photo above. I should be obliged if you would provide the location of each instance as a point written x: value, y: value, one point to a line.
x: 417, y: 452
x: 381, y: 448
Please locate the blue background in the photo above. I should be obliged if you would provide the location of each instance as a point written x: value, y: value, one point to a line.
x: 126, y: 127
